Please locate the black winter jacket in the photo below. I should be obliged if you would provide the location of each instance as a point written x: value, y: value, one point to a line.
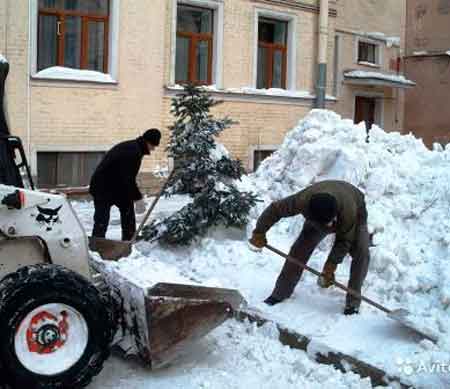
x: 114, y: 180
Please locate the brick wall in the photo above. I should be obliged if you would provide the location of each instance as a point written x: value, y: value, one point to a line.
x: 64, y: 115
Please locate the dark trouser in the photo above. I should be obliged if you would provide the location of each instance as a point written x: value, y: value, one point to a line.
x: 101, y: 218
x: 302, y: 249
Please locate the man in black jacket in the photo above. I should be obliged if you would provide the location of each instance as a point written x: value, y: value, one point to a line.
x: 114, y: 183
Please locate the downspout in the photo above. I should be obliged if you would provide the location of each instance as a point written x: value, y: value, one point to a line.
x: 322, y: 55
x: 5, y: 52
x: 29, y: 83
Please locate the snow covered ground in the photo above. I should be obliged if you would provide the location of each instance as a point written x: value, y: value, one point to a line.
x: 406, y: 188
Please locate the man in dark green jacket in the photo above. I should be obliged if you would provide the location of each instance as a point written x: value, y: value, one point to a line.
x: 328, y: 207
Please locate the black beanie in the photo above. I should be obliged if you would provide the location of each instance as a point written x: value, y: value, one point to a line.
x: 322, y: 207
x: 152, y: 136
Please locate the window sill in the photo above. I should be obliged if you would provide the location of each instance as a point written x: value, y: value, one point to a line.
x: 58, y: 73
x: 369, y: 64
x: 249, y: 93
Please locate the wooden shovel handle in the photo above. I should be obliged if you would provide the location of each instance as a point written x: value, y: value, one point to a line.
x: 318, y: 274
x: 149, y: 211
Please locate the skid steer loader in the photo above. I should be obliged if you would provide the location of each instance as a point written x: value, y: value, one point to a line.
x: 62, y: 309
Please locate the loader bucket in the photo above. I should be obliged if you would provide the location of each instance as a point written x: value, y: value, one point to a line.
x: 156, y: 323
x: 180, y: 314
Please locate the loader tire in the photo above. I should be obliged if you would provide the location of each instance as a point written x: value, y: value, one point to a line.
x: 55, y: 328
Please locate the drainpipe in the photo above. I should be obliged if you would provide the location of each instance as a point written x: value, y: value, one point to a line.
x: 28, y: 72
x: 322, y: 55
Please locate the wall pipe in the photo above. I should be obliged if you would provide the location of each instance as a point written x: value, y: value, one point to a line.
x: 321, y: 85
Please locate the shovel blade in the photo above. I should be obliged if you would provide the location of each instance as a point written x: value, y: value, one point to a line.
x: 108, y: 249
x: 405, y: 318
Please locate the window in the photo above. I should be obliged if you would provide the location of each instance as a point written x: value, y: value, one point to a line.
x: 73, y: 33
x: 272, y: 54
x: 193, y: 58
x: 57, y: 169
x: 259, y: 156
x: 367, y: 52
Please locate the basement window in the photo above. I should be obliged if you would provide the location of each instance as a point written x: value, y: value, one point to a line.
x: 65, y: 169
x: 261, y: 155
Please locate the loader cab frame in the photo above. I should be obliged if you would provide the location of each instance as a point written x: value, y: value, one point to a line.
x: 14, y: 168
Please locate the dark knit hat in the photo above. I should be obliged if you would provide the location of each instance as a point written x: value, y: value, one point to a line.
x: 322, y: 207
x: 152, y: 136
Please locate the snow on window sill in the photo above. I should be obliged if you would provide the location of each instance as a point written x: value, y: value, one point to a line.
x: 370, y: 64
x: 253, y: 92
x: 68, y: 74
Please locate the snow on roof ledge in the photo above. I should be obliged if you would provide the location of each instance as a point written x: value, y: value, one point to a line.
x: 392, y: 79
x: 389, y: 40
x: 250, y: 91
x: 63, y: 73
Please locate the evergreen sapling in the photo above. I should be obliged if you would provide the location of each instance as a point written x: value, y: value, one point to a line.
x: 203, y: 170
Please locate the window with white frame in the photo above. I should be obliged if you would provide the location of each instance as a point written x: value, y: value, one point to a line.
x: 197, y: 42
x: 272, y: 53
x: 71, y: 37
x: 194, y: 56
x: 368, y: 52
x: 275, y: 50
x: 73, y: 33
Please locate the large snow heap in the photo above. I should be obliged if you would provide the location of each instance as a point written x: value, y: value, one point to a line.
x: 407, y: 192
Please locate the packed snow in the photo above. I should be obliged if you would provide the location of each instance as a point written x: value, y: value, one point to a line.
x: 406, y: 187
x: 400, y: 79
x: 235, y: 356
x: 64, y: 73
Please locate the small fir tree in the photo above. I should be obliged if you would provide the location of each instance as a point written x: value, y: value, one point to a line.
x: 202, y: 172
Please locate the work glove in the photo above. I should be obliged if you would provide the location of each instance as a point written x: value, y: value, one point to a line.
x: 139, y: 206
x: 327, y: 277
x: 257, y: 241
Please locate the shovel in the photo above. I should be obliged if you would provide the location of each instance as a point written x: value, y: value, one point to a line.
x: 113, y: 250
x: 401, y: 315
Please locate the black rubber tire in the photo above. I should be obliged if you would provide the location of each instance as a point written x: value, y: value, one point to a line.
x: 34, y: 286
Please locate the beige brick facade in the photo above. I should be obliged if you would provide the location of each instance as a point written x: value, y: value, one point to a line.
x: 61, y: 115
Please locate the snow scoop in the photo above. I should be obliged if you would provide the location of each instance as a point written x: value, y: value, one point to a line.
x: 401, y: 315
x: 113, y: 250
x: 161, y: 321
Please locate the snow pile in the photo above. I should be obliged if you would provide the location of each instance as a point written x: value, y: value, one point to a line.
x: 380, y: 76
x: 406, y: 188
